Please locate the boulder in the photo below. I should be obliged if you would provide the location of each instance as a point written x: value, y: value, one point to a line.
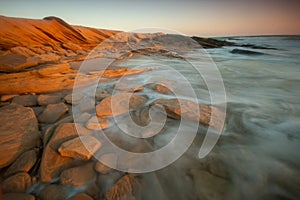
x: 185, y: 109
x: 53, y: 192
x: 52, y: 162
x: 17, y: 183
x: 97, y: 123
x: 73, y: 98
x: 17, y: 196
x: 16, y: 139
x: 122, y: 102
x: 82, y: 147
x: 26, y: 100
x: 123, y: 189
x: 78, y: 176
x: 23, y: 163
x: 44, y: 100
x: 52, y: 113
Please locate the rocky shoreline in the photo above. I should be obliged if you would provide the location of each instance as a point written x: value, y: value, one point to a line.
x: 42, y: 155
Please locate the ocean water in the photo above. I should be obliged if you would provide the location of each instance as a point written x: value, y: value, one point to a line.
x: 259, y: 147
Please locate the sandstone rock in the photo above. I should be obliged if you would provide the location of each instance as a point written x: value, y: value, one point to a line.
x: 109, y: 158
x: 181, y: 108
x: 123, y: 189
x: 101, y: 94
x: 53, y: 192
x: 26, y: 100
x: 86, y: 105
x: 73, y: 98
x: 18, y: 196
x: 122, y: 102
x: 17, y: 183
x: 7, y: 97
x: 15, y: 62
x: 71, y: 46
x: 23, y: 163
x: 82, y: 147
x: 97, y: 123
x: 18, y: 132
x: 38, y: 110
x: 209, y: 187
x: 52, y: 113
x: 22, y: 51
x: 52, y: 162
x: 103, y: 169
x: 81, y: 196
x: 83, y: 118
x: 44, y: 100
x: 78, y: 176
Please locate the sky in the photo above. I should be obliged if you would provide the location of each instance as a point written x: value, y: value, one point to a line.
x: 189, y: 17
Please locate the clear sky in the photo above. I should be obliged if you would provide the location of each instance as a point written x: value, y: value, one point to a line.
x: 191, y: 17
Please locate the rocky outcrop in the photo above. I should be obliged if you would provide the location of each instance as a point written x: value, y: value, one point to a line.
x: 16, y: 139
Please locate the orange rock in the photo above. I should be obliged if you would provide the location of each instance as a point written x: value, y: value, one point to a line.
x: 122, y: 102
x: 97, y: 123
x: 17, y: 183
x: 18, y: 132
x: 123, y: 189
x: 82, y: 147
x: 81, y: 196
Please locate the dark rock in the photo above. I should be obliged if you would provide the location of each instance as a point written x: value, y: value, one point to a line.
x: 26, y: 100
x: 44, y: 100
x: 246, y: 52
x: 17, y: 183
x: 52, y: 113
x: 17, y: 196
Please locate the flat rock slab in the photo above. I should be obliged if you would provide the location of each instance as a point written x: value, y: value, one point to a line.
x: 18, y: 132
x: 121, y: 102
x: 52, y: 162
x: 44, y: 100
x: 23, y: 163
x: 78, y: 176
x: 82, y: 147
x: 17, y: 183
x: 26, y: 100
x: 52, y: 113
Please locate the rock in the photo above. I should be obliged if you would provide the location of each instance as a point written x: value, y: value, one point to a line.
x: 16, y: 139
x: 103, y: 169
x: 17, y: 183
x: 93, y: 190
x: 38, y: 110
x: 82, y: 147
x: 52, y: 113
x: 97, y: 123
x: 26, y: 100
x: 53, y: 192
x: 246, y: 52
x: 17, y: 196
x: 123, y: 189
x: 22, y: 51
x: 209, y: 187
x: 109, y: 158
x: 7, y: 97
x: 83, y: 118
x: 15, y: 62
x: 23, y: 163
x: 81, y: 196
x: 78, y: 176
x: 106, y: 181
x: 71, y: 46
x: 162, y: 89
x: 101, y: 94
x: 181, y: 108
x: 44, y: 100
x: 73, y: 98
x: 122, y: 102
x: 52, y: 162
x: 86, y: 105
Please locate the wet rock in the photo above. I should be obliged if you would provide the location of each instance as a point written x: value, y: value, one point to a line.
x: 83, y: 118
x: 78, y: 176
x: 52, y: 162
x: 209, y: 187
x: 17, y: 183
x: 16, y: 139
x: 181, y: 108
x: 122, y: 102
x: 44, y: 100
x: 97, y: 123
x: 53, y: 192
x: 81, y: 196
x: 26, y: 100
x: 7, y: 97
x: 246, y: 52
x: 23, y: 163
x: 123, y: 189
x: 17, y: 196
x: 73, y: 98
x: 82, y: 147
x: 52, y: 113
